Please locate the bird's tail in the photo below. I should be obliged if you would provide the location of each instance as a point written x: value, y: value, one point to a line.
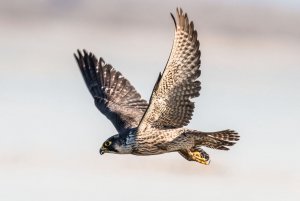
x: 217, y: 140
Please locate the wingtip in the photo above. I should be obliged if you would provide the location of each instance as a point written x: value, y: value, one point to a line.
x: 78, y: 56
x: 174, y: 20
x: 179, y: 10
x: 101, y: 61
x: 179, y: 15
x: 85, y: 52
x: 182, y: 20
x: 74, y: 54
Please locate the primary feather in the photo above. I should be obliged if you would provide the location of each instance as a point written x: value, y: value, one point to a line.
x: 114, y: 96
x: 170, y: 103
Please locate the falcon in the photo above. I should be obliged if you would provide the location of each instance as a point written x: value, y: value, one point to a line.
x: 156, y: 127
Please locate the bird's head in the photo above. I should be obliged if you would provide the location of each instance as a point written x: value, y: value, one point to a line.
x: 115, y: 145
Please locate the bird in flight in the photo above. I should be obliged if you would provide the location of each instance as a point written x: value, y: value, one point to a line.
x: 156, y: 127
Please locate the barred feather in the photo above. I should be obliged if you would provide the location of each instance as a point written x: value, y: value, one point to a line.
x: 170, y: 104
x: 114, y: 96
x: 226, y: 135
x: 220, y: 139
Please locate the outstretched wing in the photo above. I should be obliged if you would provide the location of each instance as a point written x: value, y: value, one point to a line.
x: 170, y: 105
x: 114, y: 96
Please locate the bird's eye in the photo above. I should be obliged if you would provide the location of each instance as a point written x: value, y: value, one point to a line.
x: 107, y: 143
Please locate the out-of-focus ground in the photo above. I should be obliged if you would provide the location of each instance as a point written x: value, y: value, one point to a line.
x: 50, y: 130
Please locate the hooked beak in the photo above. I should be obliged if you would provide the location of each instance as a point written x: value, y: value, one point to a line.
x: 102, y: 150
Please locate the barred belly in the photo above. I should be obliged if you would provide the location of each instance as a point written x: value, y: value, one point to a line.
x: 154, y: 141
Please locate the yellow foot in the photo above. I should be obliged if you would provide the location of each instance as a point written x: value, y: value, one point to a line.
x: 197, y: 156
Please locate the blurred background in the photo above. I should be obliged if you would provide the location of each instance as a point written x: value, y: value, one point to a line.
x: 51, y: 131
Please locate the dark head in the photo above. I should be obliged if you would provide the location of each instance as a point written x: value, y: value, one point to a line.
x: 116, y: 145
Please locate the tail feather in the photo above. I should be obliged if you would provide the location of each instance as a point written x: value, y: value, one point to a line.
x: 215, y: 145
x: 226, y: 135
x: 218, y: 140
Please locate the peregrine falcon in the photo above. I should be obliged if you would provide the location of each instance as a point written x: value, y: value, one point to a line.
x: 156, y: 127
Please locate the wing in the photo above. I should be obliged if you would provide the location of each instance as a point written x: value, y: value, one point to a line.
x: 170, y: 105
x: 114, y: 96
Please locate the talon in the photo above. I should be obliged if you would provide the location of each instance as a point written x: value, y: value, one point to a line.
x: 197, y: 156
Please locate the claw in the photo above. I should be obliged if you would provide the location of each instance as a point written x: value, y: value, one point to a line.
x: 197, y: 156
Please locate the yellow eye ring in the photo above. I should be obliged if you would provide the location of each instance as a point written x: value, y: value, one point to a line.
x: 107, y: 143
